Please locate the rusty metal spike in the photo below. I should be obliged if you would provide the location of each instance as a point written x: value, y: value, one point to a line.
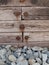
x: 18, y: 38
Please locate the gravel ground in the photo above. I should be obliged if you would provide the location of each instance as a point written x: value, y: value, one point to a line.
x: 11, y: 55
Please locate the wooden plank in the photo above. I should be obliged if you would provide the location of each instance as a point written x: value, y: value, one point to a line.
x: 9, y: 26
x: 36, y: 36
x: 30, y: 44
x: 30, y: 26
x: 17, y: 3
x: 25, y: 3
x: 36, y: 25
x: 10, y: 14
x: 35, y: 13
x: 10, y: 37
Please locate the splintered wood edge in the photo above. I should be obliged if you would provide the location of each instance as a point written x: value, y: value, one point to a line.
x: 29, y: 44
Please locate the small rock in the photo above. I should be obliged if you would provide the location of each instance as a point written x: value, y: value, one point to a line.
x: 44, y: 57
x: 20, y: 58
x: 1, y: 62
x: 44, y: 63
x: 47, y: 54
x: 3, y: 51
x: 25, y: 47
x: 37, y: 48
x: 36, y: 54
x: 36, y: 64
x: 31, y: 61
x: 39, y: 60
x: 18, y: 50
x: 23, y: 62
x: 29, y: 52
x: 47, y: 61
x: 13, y: 63
x: 13, y: 48
x: 23, y: 51
x: 7, y: 47
x: 12, y: 58
x: 40, y: 54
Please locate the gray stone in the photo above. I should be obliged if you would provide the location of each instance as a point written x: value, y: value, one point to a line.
x: 29, y: 52
x: 44, y: 63
x: 13, y: 63
x: 25, y: 47
x: 2, y: 63
x: 37, y: 48
x: 23, y: 62
x: 20, y: 58
x: 39, y: 54
x: 48, y: 60
x: 36, y: 64
x: 36, y: 54
x: 39, y: 60
x: 44, y: 57
x: 31, y: 61
x: 47, y: 54
x: 8, y: 47
x: 12, y: 58
x: 3, y: 51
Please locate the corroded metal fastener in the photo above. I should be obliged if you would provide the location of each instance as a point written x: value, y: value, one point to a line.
x: 22, y: 1
x: 25, y: 14
x: 17, y: 14
x: 18, y: 38
x: 22, y: 27
x: 26, y: 38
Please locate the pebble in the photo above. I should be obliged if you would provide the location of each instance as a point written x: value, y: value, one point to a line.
x: 3, y: 51
x: 36, y: 64
x: 12, y: 58
x: 29, y: 52
x: 36, y: 54
x: 44, y: 63
x: 44, y: 57
x: 31, y: 61
x: 13, y: 63
x: 20, y: 59
x: 11, y: 55
x: 2, y: 62
x: 37, y: 48
x: 23, y: 62
x: 47, y: 61
x: 39, y: 60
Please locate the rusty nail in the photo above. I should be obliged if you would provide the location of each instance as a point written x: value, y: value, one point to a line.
x: 18, y: 38
x: 25, y: 14
x: 17, y: 13
x: 26, y: 38
x: 22, y: 27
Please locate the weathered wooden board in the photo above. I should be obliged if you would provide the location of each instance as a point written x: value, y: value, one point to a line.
x: 9, y: 26
x: 37, y: 36
x: 30, y: 26
x: 35, y: 13
x: 8, y: 13
x: 36, y: 25
x: 10, y: 37
x: 24, y: 3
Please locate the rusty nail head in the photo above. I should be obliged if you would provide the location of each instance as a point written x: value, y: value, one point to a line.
x: 18, y: 38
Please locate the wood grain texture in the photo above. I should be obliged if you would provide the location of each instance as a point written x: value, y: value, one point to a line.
x: 7, y: 13
x: 35, y: 13
x: 36, y: 25
x: 38, y: 36
x: 30, y: 26
x: 10, y: 37
x: 44, y: 3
